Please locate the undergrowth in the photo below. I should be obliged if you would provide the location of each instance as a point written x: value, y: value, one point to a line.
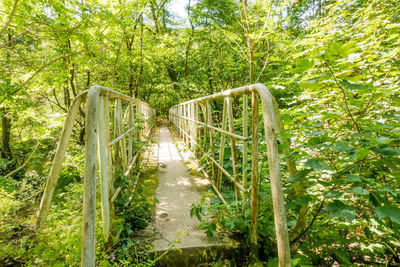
x: 59, y: 244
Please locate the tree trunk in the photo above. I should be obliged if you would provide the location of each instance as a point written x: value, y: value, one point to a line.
x: 172, y: 74
x: 5, y: 152
x: 88, y: 79
x: 136, y: 92
x: 5, y: 136
x: 189, y: 42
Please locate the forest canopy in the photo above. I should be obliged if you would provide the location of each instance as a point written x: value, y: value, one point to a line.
x: 333, y: 67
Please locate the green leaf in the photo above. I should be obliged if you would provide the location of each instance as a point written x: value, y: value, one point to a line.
x: 361, y: 153
x: 247, y: 212
x: 352, y: 86
x: 348, y: 48
x: 352, y: 178
x: 341, y: 210
x: 385, y: 150
x: 389, y: 189
x: 311, y: 133
x: 343, y: 147
x: 343, y: 256
x: 381, y: 139
x: 388, y: 212
x: 317, y: 165
x: 319, y: 139
x: 337, y: 49
x: 294, y: 262
x: 376, y: 199
x: 299, y: 176
x: 332, y: 194
x: 303, y: 65
x: 230, y: 224
x: 333, y: 50
x: 273, y: 262
x: 210, y: 228
x: 358, y: 190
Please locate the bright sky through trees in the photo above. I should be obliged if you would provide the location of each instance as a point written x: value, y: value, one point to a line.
x: 178, y: 7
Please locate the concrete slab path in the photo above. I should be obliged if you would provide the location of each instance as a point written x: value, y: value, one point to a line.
x: 177, y: 191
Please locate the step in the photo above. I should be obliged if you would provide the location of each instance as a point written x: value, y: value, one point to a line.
x: 199, y: 255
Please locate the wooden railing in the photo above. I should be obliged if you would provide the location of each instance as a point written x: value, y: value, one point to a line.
x: 133, y: 120
x: 194, y: 122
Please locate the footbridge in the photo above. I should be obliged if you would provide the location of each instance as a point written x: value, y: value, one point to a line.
x: 223, y: 131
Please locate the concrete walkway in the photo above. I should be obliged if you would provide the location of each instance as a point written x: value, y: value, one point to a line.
x: 177, y: 191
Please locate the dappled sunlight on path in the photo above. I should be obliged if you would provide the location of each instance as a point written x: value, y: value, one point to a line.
x: 177, y: 191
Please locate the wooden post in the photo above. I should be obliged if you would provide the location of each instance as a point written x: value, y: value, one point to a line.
x: 193, y: 132
x: 130, y: 137
x: 197, y: 118
x: 189, y: 131
x: 105, y: 209
x: 184, y: 124
x: 117, y: 118
x: 146, y: 119
x: 202, y: 132
x: 245, y: 149
x: 233, y: 144
x: 108, y: 151
x: 139, y: 112
x: 89, y: 193
x: 123, y: 142
x: 210, y: 122
x: 135, y: 132
x: 177, y: 111
x: 254, y: 176
x: 181, y: 121
x: 278, y: 202
x: 188, y: 125
x: 222, y: 147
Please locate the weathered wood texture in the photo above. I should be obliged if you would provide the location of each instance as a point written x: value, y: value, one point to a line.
x: 185, y: 115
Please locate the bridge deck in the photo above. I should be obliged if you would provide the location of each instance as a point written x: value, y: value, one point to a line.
x: 177, y: 191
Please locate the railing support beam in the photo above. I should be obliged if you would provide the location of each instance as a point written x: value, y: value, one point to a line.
x: 89, y: 191
x: 254, y: 176
x: 52, y: 179
x: 105, y: 205
x: 278, y: 202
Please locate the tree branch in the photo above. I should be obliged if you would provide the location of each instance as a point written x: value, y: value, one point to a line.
x: 24, y: 164
x: 344, y: 98
x: 5, y: 27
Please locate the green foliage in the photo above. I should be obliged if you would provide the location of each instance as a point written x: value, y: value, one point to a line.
x: 132, y: 206
x: 333, y: 67
x: 60, y: 242
x: 347, y: 145
x: 340, y: 75
x: 214, y: 216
